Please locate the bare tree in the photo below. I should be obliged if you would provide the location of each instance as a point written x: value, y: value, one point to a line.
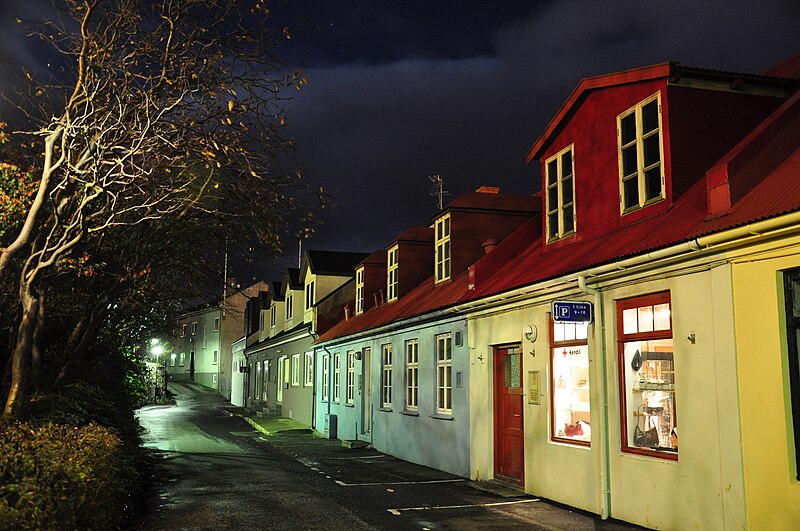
x: 169, y: 108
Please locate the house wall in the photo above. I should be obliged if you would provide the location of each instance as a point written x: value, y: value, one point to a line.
x: 237, y: 379
x: 421, y: 437
x: 703, y: 487
x: 203, y: 343
x: 771, y: 487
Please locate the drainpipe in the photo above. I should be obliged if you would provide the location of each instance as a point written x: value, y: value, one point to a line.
x: 603, y: 451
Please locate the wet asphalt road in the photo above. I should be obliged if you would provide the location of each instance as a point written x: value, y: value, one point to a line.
x: 214, y: 471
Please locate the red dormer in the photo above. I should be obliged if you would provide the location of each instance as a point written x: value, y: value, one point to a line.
x: 472, y: 221
x: 626, y: 145
x: 370, y: 281
x: 408, y: 260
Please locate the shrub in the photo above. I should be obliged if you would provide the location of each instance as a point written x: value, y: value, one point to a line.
x: 59, y: 477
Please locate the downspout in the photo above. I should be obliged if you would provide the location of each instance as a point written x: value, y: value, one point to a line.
x: 603, y: 451
x: 314, y: 336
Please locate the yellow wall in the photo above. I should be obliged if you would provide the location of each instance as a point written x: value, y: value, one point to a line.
x: 771, y: 488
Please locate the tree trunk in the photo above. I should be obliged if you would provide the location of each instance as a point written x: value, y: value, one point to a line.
x: 19, y: 393
x: 36, y: 346
x: 81, y: 338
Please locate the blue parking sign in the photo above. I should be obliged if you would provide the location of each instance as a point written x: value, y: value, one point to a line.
x: 572, y: 312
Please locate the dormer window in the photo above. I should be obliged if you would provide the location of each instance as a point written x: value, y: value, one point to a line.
x: 443, y: 248
x: 289, y: 306
x: 560, y: 171
x: 641, y: 165
x: 309, y: 295
x: 360, y: 291
x: 391, y: 268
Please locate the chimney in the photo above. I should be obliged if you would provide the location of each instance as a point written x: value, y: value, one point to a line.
x: 346, y: 312
x: 489, y: 245
x: 488, y: 190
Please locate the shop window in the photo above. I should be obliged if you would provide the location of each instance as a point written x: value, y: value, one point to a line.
x: 647, y: 376
x: 569, y: 370
x: 792, y: 293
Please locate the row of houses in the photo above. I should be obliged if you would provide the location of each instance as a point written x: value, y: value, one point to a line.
x: 624, y: 342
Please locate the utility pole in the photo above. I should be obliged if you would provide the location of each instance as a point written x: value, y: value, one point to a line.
x: 225, y: 278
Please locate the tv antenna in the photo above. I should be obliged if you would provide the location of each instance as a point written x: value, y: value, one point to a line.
x: 438, y: 189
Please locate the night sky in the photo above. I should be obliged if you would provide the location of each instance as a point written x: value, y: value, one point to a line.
x: 402, y: 90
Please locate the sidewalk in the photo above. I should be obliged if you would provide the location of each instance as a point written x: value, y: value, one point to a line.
x: 367, y: 466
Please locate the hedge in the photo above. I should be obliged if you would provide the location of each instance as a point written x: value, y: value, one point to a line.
x: 56, y: 476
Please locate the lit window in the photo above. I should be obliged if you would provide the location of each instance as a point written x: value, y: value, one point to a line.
x: 647, y: 376
x: 309, y: 372
x: 391, y: 270
x: 295, y: 370
x: 412, y: 375
x: 194, y: 328
x: 359, y: 290
x: 257, y: 380
x: 216, y: 324
x: 569, y: 370
x: 351, y: 375
x: 264, y: 380
x: 182, y: 359
x: 172, y: 360
x: 214, y: 359
x: 640, y: 161
x: 337, y: 369
x: 288, y: 306
x: 560, y: 197
x: 792, y: 294
x: 325, y: 382
x: 309, y: 295
x: 386, y: 375
x: 444, y: 374
x: 443, y: 248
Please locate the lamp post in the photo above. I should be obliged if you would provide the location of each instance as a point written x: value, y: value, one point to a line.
x: 156, y: 349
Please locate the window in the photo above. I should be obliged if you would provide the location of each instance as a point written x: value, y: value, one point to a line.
x: 258, y: 379
x: 569, y: 370
x: 194, y: 328
x: 264, y: 380
x: 444, y: 374
x: 359, y: 290
x: 560, y: 196
x: 215, y: 358
x: 261, y: 321
x: 172, y: 360
x: 351, y: 375
x: 205, y: 336
x: 183, y: 330
x: 640, y: 161
x: 273, y: 315
x: 647, y: 376
x: 288, y: 306
x: 216, y: 324
x: 309, y: 295
x: 443, y: 248
x: 337, y: 368
x: 309, y: 378
x: 391, y: 273
x: 325, y: 382
x: 386, y: 375
x: 412, y: 375
x: 792, y: 294
x: 295, y: 370
x: 182, y: 359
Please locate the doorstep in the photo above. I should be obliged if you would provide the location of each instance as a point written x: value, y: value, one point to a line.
x: 498, y: 488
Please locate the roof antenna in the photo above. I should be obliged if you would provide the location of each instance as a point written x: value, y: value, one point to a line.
x: 299, y: 252
x: 438, y: 189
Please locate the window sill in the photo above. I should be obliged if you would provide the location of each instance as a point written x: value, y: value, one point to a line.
x: 349, y: 405
x: 410, y: 413
x: 385, y: 409
x: 443, y: 416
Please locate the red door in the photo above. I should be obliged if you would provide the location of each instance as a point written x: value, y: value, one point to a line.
x: 508, y: 429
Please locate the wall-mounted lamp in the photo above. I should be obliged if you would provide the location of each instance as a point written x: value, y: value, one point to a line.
x: 530, y: 332
x: 358, y: 354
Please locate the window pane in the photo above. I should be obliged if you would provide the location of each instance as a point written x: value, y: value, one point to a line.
x: 628, y: 128
x: 650, y: 117
x: 652, y: 183
x: 795, y: 289
x: 581, y: 330
x: 652, y: 153
x: 511, y: 372
x: 629, y: 160
x: 566, y: 191
x: 552, y: 198
x: 629, y: 322
x: 569, y: 331
x: 571, y: 393
x: 552, y: 172
x: 566, y: 164
x: 568, y: 218
x: 645, y: 314
x: 661, y: 317
x: 558, y: 332
x: 552, y: 225
x: 630, y: 193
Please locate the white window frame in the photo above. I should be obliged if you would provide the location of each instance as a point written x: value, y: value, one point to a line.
x: 350, y: 387
x: 215, y: 358
x: 309, y: 295
x: 386, y: 376
x: 443, y: 251
x: 412, y: 375
x: 392, y: 270
x: 555, y: 175
x: 295, y: 370
x: 273, y: 315
x: 337, y: 370
x: 325, y: 382
x: 183, y: 330
x: 638, y: 143
x: 444, y: 374
x: 359, y: 290
x: 309, y: 368
x: 194, y: 328
x: 216, y: 324
x: 289, y: 309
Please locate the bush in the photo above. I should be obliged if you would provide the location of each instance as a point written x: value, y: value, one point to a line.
x: 60, y: 477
